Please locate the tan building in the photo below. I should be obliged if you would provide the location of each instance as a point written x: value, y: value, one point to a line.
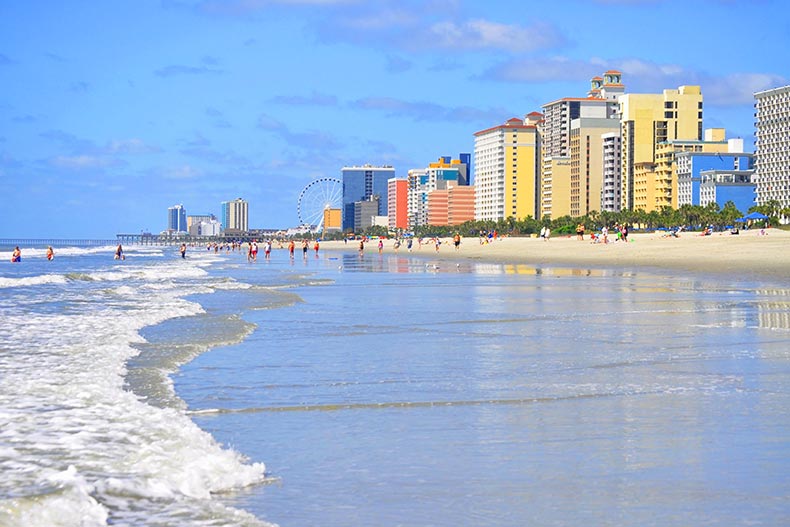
x: 587, y: 163
x: 571, y: 180
x: 647, y: 120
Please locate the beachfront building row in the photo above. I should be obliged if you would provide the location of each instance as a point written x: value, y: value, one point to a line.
x: 234, y: 219
x: 612, y: 151
x: 438, y: 176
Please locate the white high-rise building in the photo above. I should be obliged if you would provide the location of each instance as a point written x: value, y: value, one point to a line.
x: 611, y: 192
x: 772, y: 146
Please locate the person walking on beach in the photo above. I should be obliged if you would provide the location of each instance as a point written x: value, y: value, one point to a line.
x: 291, y: 249
x: 381, y: 245
x: 183, y: 250
x: 408, y: 244
x: 267, y: 249
x: 119, y: 253
x: 16, y: 256
x: 624, y: 232
x: 316, y: 246
x: 304, y: 248
x: 361, y: 247
x: 50, y: 253
x: 457, y: 241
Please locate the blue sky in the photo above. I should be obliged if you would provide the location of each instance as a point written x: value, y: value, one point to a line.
x: 110, y: 112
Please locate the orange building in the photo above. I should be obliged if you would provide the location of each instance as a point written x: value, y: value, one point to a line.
x: 397, y: 203
x: 451, y: 206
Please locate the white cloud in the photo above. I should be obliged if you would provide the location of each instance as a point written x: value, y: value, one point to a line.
x: 639, y: 76
x: 84, y: 162
x: 484, y: 34
x: 182, y: 172
x: 131, y: 146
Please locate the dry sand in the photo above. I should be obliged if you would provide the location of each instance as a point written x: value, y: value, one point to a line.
x: 747, y: 255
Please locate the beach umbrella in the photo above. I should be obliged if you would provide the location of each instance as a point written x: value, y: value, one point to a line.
x: 756, y: 216
x: 740, y: 220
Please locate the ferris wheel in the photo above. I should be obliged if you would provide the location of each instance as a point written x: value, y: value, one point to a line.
x: 319, y: 195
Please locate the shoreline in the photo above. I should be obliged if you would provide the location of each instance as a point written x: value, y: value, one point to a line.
x: 748, y: 255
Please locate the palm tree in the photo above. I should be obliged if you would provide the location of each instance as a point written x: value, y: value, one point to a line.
x: 729, y: 213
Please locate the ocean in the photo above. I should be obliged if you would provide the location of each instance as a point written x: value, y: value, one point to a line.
x: 386, y: 390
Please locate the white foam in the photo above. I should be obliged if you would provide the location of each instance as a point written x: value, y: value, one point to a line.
x: 75, y: 443
x: 27, y: 281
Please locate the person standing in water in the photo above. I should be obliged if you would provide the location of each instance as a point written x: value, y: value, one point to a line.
x: 16, y: 256
x: 119, y: 253
x: 183, y: 250
x: 50, y: 253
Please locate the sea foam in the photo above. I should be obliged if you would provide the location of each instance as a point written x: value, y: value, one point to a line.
x: 77, y: 447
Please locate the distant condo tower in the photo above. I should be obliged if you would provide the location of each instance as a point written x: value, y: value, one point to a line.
x: 177, y: 219
x: 235, y: 215
x: 772, y: 145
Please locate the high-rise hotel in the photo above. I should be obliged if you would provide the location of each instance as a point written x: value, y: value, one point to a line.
x: 177, y: 219
x: 507, y: 169
x: 772, y: 146
x: 572, y: 131
x: 234, y: 215
x: 647, y: 120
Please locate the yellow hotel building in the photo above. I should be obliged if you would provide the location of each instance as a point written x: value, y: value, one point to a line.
x: 647, y: 121
x: 507, y: 170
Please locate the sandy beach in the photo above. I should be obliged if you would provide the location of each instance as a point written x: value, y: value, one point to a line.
x: 748, y: 254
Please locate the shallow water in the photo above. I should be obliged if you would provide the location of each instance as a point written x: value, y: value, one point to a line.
x: 386, y: 391
x: 401, y: 393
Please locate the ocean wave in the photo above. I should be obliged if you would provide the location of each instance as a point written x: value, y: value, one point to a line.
x: 27, y: 281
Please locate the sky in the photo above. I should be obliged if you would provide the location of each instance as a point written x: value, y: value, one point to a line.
x: 113, y: 111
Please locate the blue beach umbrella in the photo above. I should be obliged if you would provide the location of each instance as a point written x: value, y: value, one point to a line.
x: 756, y: 216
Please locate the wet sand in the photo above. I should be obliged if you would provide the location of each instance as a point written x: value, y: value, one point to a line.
x: 749, y: 254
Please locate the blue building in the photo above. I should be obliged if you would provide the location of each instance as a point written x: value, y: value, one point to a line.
x: 364, y: 183
x: 177, y: 219
x: 721, y: 186
x: 690, y: 166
